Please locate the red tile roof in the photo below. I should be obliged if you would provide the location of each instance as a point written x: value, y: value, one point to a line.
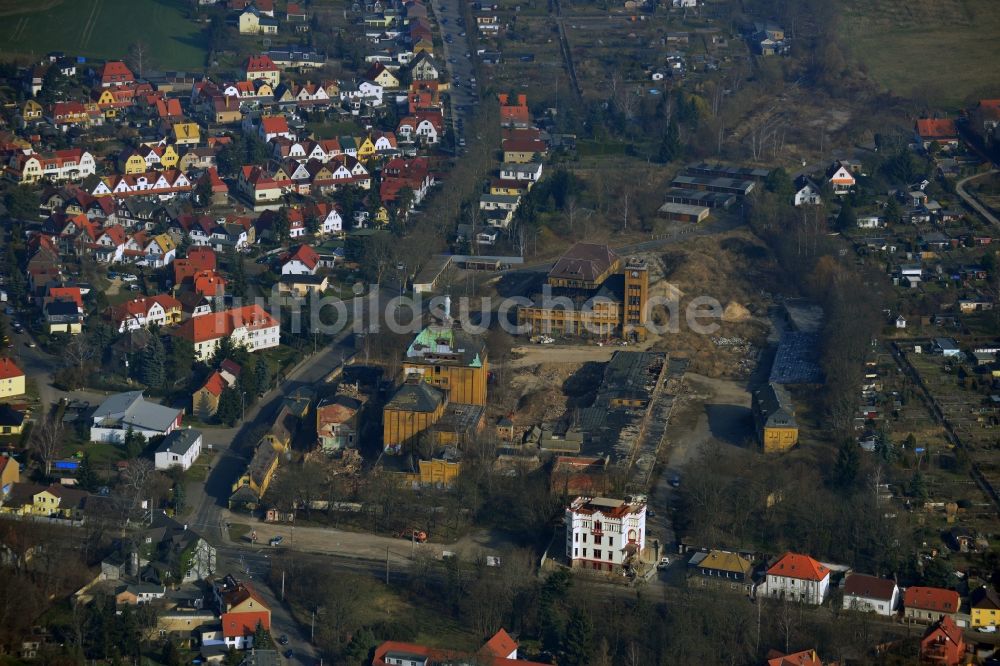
x: 930, y: 129
x: 802, y: 567
x: 274, y: 124
x: 501, y: 645
x: 302, y: 253
x: 215, y: 384
x: 220, y: 324
x: 804, y: 658
x: 9, y: 369
x: 931, y: 599
x: 116, y: 71
x: 244, y: 624
x: 261, y: 63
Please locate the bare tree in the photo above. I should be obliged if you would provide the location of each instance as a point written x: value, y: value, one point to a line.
x: 137, y: 53
x: 137, y: 475
x: 78, y: 351
x: 46, y: 440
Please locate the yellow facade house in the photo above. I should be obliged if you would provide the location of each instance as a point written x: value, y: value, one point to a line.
x: 984, y: 603
x: 186, y: 134
x: 414, y: 409
x: 774, y: 417
x: 450, y: 359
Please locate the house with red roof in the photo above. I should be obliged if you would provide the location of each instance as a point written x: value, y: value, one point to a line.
x: 116, y: 73
x: 797, y: 578
x: 251, y: 327
x: 198, y: 259
x: 401, y: 173
x: 940, y: 130
x: 263, y: 68
x: 871, y: 594
x: 803, y: 658
x: 930, y: 603
x: 256, y: 185
x: 943, y: 644
x: 161, y: 310
x: 272, y: 127
x: 500, y: 650
x: 11, y: 378
x: 426, y: 127
x: 205, y: 400
x: 300, y: 260
x: 514, y: 113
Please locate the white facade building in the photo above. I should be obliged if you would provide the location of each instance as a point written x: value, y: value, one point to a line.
x: 871, y: 595
x: 797, y: 578
x: 603, y: 533
x: 178, y: 449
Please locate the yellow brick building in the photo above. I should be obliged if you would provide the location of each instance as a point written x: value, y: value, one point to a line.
x: 414, y: 408
x: 774, y: 417
x: 450, y: 359
x: 591, y: 293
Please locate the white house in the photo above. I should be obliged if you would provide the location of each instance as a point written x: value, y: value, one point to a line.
x: 870, y: 221
x: 250, y: 326
x: 130, y: 411
x: 302, y: 260
x: 179, y: 448
x: 797, y: 578
x: 603, y: 533
x: 900, y: 321
x: 807, y: 193
x: 842, y: 180
x: 870, y: 594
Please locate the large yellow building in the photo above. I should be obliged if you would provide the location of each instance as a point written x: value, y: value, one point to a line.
x: 11, y: 379
x: 414, y: 408
x: 590, y: 293
x: 774, y: 417
x: 450, y: 359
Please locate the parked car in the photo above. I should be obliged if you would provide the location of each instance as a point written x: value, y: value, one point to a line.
x: 663, y: 563
x: 675, y: 481
x: 283, y: 640
x: 30, y: 344
x: 276, y: 541
x: 128, y: 277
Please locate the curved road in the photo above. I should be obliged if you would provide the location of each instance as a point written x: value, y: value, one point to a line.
x: 972, y: 201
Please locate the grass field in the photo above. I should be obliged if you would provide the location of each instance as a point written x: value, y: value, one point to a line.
x: 103, y: 29
x: 938, y: 51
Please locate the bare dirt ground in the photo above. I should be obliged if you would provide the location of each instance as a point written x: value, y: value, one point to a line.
x: 710, y: 410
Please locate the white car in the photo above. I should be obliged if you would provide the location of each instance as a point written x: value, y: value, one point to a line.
x: 128, y: 277
x: 663, y: 563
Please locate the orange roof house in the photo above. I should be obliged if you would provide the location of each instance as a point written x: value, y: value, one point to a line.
x: 803, y: 658
x: 116, y: 73
x: 929, y: 603
x: 942, y: 130
x: 943, y: 644
x: 514, y: 113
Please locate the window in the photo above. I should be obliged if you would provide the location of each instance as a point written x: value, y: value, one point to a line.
x: 597, y: 539
x: 611, y: 541
x: 585, y: 552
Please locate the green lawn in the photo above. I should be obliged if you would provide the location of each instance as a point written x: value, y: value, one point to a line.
x: 932, y: 50
x: 105, y: 29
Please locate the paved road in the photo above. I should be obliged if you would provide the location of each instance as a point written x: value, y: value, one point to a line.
x: 457, y: 57
x: 972, y: 201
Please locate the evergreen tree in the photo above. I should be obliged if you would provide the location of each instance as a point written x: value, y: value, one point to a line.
x: 180, y: 497
x: 223, y: 351
x: 85, y: 476
x: 170, y: 656
x: 261, y: 639
x: 360, y: 648
x: 237, y: 273
x: 779, y: 183
x: 917, y: 487
x: 262, y: 374
x: 845, y: 469
x: 134, y: 443
x: 670, y: 144
x: 229, y: 407
x: 247, y: 384
x: 153, y: 363
x: 578, y: 643
x: 846, y: 218
x: 893, y: 214
x: 181, y: 358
